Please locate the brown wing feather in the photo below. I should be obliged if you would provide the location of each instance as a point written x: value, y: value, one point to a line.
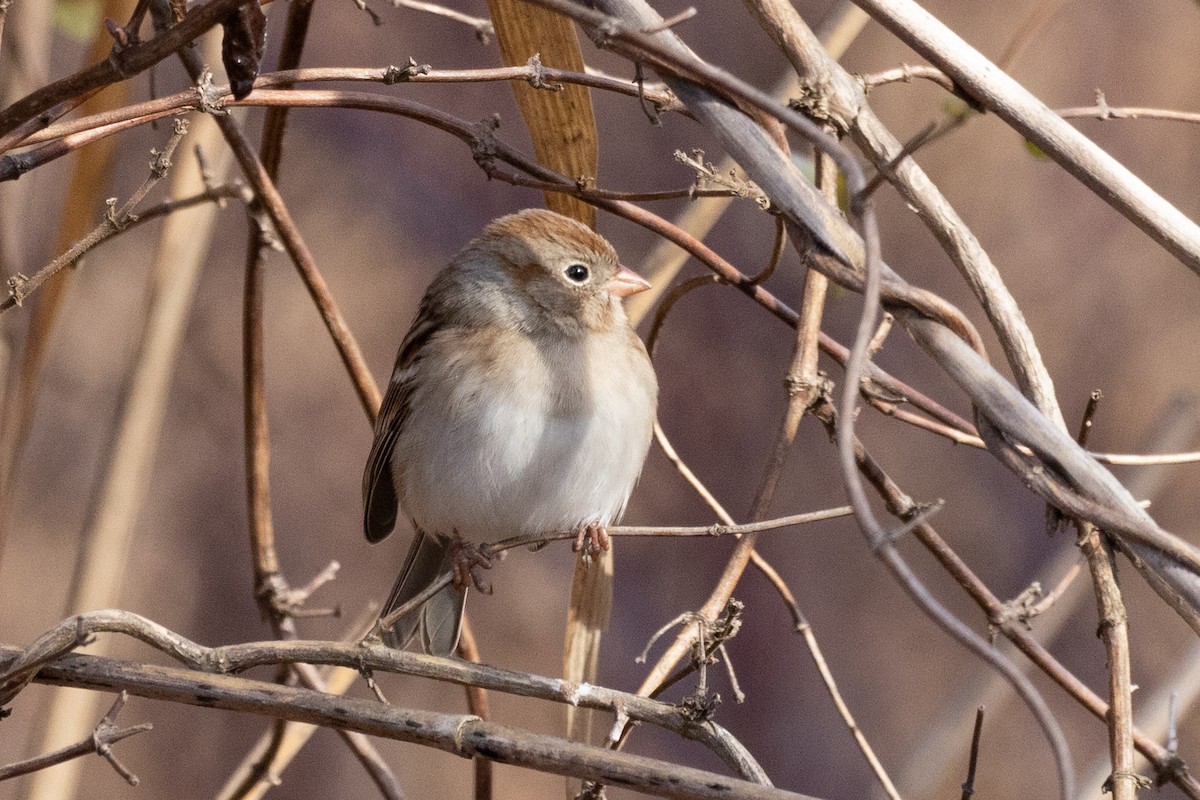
x: 379, y: 492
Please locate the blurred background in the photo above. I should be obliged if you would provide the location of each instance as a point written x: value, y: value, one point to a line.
x: 384, y: 202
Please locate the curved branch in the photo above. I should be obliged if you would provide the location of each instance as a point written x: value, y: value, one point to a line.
x: 460, y: 734
x: 54, y: 647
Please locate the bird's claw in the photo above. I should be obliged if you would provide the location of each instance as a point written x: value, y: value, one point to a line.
x: 466, y: 560
x: 591, y: 540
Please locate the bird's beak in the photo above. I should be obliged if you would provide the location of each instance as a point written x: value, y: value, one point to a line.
x: 627, y: 282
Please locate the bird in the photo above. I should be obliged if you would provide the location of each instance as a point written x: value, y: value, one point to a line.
x: 521, y: 402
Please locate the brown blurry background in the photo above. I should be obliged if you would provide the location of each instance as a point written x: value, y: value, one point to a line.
x: 384, y: 202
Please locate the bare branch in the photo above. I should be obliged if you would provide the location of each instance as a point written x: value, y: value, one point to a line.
x: 968, y: 787
x: 101, y: 741
x: 1103, y: 111
x: 1074, y: 152
x: 114, y: 221
x: 54, y: 646
x: 460, y: 734
x: 484, y: 30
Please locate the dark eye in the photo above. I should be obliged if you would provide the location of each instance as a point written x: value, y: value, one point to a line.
x: 576, y: 273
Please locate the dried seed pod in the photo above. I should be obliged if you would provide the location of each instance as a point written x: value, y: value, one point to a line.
x: 242, y: 46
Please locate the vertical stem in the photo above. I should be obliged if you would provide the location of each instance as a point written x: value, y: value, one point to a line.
x: 271, y: 587
x: 269, y: 584
x: 480, y: 706
x: 257, y: 443
x: 1114, y: 630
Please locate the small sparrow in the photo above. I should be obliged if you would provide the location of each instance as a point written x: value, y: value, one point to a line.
x: 521, y: 402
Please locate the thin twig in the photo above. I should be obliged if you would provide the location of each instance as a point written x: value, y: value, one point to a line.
x: 805, y: 379
x: 1106, y: 112
x: 1025, y: 33
x: 1089, y: 415
x: 100, y: 741
x: 534, y: 73
x: 671, y: 22
x: 886, y: 170
x: 114, y: 220
x: 906, y: 73
x: 1146, y: 460
x: 235, y: 190
x: 1114, y: 631
x: 539, y: 539
x: 777, y: 251
x: 968, y: 787
x: 860, y: 738
x: 880, y: 336
x: 1060, y: 588
x: 762, y: 526
x: 484, y: 30
x: 271, y: 588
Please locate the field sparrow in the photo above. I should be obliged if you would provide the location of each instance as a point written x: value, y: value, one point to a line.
x: 521, y: 402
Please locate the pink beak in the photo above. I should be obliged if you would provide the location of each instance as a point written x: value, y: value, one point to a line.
x: 627, y: 282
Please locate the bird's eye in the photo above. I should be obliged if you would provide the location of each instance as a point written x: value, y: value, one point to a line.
x: 576, y: 273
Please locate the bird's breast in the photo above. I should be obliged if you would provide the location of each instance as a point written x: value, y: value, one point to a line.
x: 510, y: 434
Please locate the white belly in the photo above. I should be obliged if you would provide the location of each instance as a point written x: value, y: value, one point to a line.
x: 537, y: 444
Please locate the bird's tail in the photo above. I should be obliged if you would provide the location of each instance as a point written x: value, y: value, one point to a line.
x: 439, y: 620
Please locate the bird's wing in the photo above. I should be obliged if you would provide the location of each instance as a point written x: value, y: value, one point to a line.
x: 379, y: 491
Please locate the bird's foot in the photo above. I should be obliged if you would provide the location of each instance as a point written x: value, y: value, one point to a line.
x: 591, y: 540
x: 466, y: 559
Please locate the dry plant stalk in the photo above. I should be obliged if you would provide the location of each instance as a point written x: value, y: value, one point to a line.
x: 108, y: 536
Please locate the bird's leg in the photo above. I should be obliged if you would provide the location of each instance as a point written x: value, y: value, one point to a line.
x: 466, y: 559
x: 592, y: 538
